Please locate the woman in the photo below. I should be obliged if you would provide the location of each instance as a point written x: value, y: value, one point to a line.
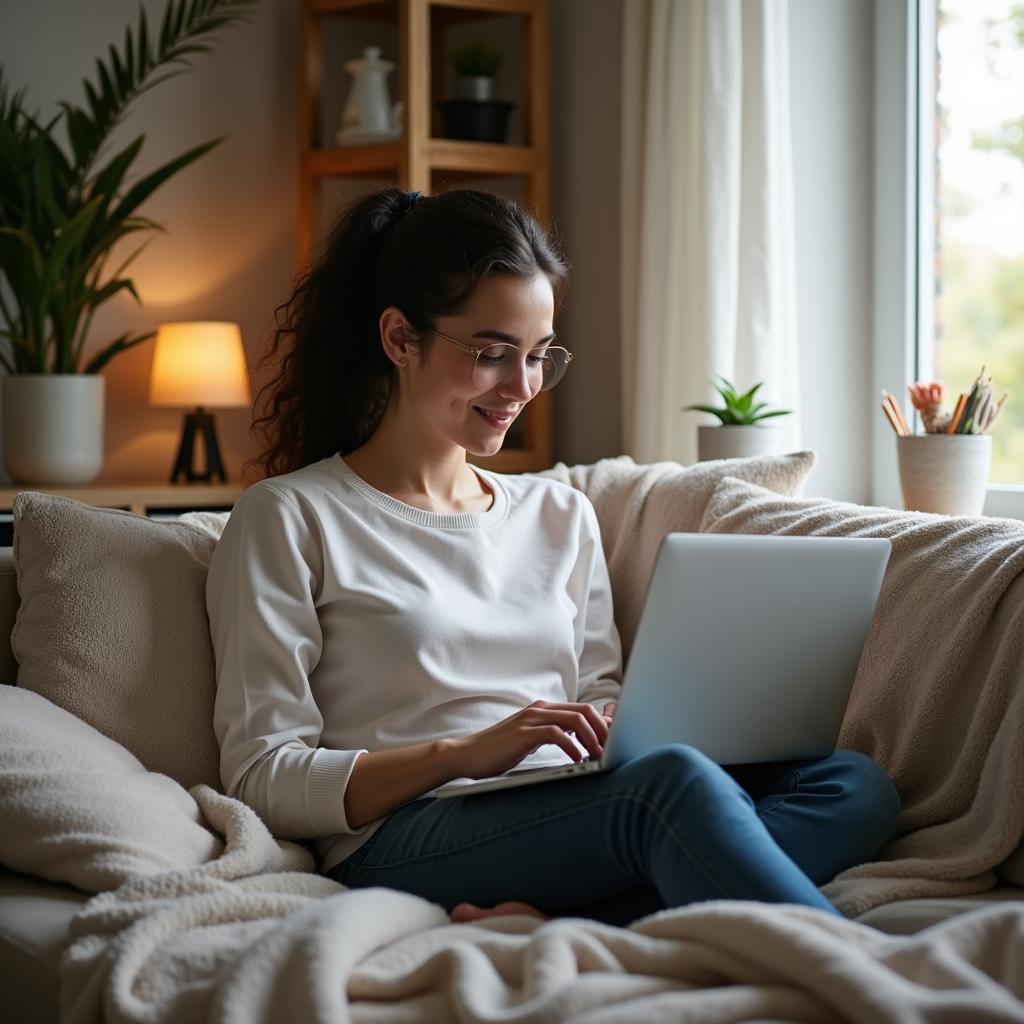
x: 388, y: 618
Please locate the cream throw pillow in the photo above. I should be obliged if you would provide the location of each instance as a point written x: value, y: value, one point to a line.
x: 77, y: 807
x: 112, y: 627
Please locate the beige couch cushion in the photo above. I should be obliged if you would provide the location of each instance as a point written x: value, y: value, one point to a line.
x: 34, y: 919
x: 908, y: 917
x: 8, y: 610
x: 112, y: 626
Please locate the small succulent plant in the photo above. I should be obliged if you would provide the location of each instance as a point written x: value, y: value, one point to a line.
x: 738, y: 410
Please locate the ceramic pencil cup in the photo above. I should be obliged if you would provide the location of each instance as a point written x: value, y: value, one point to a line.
x: 944, y: 473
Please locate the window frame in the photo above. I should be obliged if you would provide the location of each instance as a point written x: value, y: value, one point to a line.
x: 903, y: 281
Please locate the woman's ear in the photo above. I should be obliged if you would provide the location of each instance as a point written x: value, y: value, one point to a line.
x: 397, y: 336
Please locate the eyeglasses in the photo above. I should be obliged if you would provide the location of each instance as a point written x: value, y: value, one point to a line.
x: 499, y: 362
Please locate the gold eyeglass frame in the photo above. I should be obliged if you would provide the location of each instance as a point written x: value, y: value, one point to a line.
x: 477, y: 350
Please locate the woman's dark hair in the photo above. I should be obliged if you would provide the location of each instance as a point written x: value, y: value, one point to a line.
x: 423, y: 254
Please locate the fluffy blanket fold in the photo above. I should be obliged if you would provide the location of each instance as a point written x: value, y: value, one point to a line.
x: 939, y: 695
x: 244, y: 940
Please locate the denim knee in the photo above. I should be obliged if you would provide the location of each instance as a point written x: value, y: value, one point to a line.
x: 677, y: 768
x: 871, y: 801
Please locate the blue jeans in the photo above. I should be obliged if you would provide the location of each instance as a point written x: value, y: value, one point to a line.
x: 663, y: 830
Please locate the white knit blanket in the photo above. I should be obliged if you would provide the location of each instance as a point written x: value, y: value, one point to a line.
x: 223, y: 942
x: 939, y: 696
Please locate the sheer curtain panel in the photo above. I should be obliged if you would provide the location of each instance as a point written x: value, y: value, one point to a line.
x: 708, y: 268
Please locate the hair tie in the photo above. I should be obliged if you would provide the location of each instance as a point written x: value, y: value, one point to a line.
x: 403, y: 202
x: 407, y: 201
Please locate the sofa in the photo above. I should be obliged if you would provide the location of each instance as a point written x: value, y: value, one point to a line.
x: 132, y: 889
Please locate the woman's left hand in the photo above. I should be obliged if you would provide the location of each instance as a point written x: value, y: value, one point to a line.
x: 608, y: 712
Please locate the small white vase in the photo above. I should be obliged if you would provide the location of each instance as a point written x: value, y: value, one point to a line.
x: 53, y: 427
x: 944, y: 473
x: 736, y: 442
x: 369, y: 115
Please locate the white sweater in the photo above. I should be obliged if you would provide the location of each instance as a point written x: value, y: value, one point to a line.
x: 344, y: 621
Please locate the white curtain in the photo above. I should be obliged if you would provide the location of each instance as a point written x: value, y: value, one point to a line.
x: 708, y: 262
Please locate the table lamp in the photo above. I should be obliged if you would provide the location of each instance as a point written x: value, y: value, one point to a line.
x: 196, y: 365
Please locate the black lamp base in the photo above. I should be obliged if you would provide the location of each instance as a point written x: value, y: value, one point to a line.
x: 198, y: 422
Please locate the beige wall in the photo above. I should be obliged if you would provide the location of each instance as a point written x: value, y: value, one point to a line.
x: 229, y: 250
x: 586, y: 130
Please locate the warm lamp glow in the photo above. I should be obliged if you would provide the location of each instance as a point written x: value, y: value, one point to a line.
x: 196, y: 365
x: 199, y: 364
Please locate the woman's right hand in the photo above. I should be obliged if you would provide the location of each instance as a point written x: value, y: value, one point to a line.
x: 501, y: 747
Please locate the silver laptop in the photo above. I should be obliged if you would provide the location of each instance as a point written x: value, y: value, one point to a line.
x: 747, y: 649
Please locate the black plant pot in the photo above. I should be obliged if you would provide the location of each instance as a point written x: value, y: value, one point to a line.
x: 476, y: 120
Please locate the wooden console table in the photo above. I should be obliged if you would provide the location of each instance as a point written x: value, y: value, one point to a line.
x: 156, y: 500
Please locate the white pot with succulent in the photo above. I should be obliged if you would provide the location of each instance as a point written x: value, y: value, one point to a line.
x: 474, y: 114
x: 476, y: 68
x: 741, y: 431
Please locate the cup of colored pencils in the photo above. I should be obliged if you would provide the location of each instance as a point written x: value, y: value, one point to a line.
x: 946, y: 468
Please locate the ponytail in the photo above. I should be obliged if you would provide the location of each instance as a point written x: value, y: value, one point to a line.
x: 423, y: 254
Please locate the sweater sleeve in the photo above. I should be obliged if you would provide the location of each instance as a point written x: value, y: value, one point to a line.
x: 261, y: 601
x: 598, y: 649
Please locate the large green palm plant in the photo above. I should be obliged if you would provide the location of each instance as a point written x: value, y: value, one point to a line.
x: 63, y: 208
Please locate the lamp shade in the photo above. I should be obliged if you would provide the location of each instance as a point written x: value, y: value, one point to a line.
x: 199, y: 363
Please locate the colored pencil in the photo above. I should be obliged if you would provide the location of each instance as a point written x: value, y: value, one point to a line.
x: 892, y: 419
x: 995, y: 412
x: 957, y: 413
x: 897, y: 412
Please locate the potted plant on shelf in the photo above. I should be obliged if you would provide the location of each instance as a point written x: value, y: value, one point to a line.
x: 63, y: 208
x: 474, y: 114
x: 741, y: 431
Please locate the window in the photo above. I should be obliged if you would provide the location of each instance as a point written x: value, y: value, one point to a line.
x: 970, y: 208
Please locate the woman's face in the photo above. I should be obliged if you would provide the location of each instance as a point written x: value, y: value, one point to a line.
x: 473, y: 403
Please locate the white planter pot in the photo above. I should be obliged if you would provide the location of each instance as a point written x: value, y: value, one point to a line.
x: 53, y: 427
x: 945, y: 473
x: 736, y: 442
x: 474, y: 87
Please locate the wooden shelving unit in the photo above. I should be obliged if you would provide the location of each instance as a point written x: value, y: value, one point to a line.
x: 421, y: 160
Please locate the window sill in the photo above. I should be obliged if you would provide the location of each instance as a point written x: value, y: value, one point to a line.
x: 1006, y: 500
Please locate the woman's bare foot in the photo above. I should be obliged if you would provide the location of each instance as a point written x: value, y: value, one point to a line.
x: 465, y: 912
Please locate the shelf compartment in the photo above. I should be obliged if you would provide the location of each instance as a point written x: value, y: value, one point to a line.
x: 469, y: 8
x: 343, y: 161
x: 442, y: 154
x: 481, y: 157
x: 387, y: 10
x: 374, y: 10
